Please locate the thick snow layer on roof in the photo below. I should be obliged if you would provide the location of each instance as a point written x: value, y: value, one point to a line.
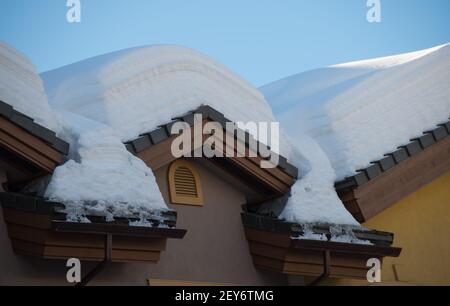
x: 22, y: 88
x: 133, y: 91
x: 313, y: 197
x: 357, y: 112
x: 113, y: 98
x: 102, y: 178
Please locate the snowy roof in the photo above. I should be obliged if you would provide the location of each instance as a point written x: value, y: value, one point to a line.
x: 359, y: 111
x: 136, y: 90
x: 392, y: 159
x: 22, y: 87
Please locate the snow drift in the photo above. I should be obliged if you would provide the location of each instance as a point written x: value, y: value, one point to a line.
x: 113, y: 98
x: 359, y: 111
x: 102, y: 178
x: 22, y: 87
x: 136, y: 90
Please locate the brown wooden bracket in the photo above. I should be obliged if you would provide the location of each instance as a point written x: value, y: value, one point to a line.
x: 327, y: 269
x: 100, y: 267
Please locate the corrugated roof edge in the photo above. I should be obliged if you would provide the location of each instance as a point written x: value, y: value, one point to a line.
x: 163, y: 132
x: 390, y: 160
x: 28, y: 124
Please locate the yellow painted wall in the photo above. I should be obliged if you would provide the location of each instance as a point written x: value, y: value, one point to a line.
x: 421, y: 223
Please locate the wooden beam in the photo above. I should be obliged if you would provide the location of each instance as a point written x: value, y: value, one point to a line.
x: 28, y: 146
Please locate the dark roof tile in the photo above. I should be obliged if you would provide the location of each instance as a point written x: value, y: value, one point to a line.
x: 446, y: 126
x: 373, y: 171
x: 439, y: 133
x: 426, y: 141
x: 386, y: 163
x: 142, y: 143
x: 130, y: 148
x: 361, y: 179
x: 5, y: 110
x: 158, y: 135
x: 399, y: 155
x: 23, y: 121
x: 413, y: 148
x: 168, y: 126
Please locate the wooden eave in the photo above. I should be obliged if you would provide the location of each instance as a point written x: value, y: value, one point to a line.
x: 27, y: 147
x: 397, y: 175
x: 274, y: 247
x: 154, y: 149
x: 36, y: 229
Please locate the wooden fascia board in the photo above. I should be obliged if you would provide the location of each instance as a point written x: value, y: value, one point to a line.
x: 28, y: 147
x: 400, y: 181
x: 117, y: 229
x: 160, y: 155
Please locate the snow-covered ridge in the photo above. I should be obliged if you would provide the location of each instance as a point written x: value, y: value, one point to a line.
x: 22, y: 87
x: 390, y: 61
x: 135, y: 90
x: 357, y: 112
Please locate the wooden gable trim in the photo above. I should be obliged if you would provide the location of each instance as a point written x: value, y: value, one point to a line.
x: 275, y: 179
x: 28, y: 147
x: 405, y: 178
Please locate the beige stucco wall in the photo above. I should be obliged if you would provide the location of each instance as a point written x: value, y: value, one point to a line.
x: 214, y: 249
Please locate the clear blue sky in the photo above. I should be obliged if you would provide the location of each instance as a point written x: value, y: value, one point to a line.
x: 263, y: 40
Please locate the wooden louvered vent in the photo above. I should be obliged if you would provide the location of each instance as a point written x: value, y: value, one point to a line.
x: 184, y: 184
